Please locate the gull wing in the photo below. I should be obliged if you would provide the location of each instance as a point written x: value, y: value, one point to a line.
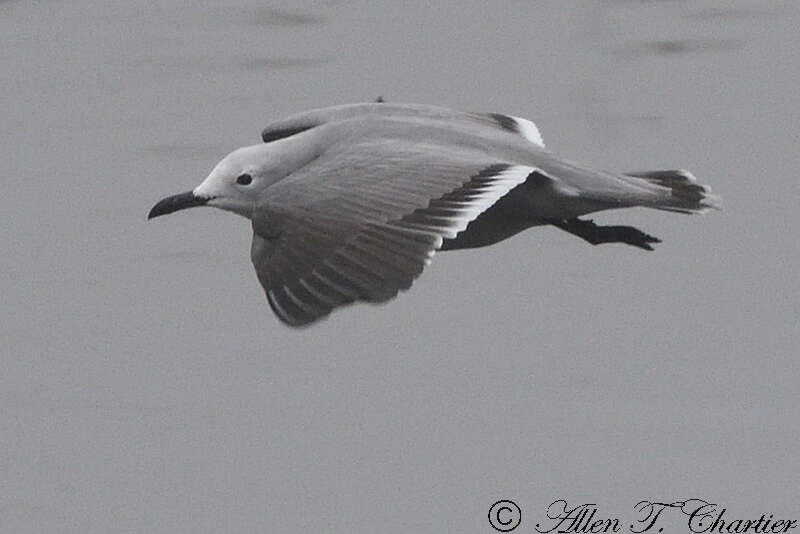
x: 485, y: 122
x: 361, y: 222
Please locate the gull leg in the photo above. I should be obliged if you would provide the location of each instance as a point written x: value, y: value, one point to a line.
x: 597, y: 235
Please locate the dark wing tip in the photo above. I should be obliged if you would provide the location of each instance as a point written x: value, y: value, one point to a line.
x: 505, y: 122
x: 270, y: 134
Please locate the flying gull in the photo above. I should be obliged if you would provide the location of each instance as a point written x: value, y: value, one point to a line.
x: 350, y: 203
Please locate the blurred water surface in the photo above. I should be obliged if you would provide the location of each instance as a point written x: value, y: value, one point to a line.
x: 146, y: 387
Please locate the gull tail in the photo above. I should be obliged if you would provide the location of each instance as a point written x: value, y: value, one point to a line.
x: 687, y: 196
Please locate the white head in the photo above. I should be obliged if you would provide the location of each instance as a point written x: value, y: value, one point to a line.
x: 235, y: 184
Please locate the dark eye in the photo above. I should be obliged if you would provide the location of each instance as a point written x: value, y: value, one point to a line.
x: 244, y: 179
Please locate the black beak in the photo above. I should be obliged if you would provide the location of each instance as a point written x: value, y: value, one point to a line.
x: 177, y: 202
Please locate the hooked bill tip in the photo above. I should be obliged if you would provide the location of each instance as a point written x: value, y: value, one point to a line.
x: 175, y: 203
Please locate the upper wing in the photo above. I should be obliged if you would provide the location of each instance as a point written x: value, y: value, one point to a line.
x: 481, y: 121
x: 360, y: 223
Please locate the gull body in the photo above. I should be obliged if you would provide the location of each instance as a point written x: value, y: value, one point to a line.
x: 350, y: 203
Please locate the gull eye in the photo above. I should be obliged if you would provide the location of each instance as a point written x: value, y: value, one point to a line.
x: 244, y: 179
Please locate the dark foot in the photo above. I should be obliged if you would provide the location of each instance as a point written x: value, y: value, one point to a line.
x: 597, y: 235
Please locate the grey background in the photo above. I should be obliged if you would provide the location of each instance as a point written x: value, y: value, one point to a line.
x: 146, y: 387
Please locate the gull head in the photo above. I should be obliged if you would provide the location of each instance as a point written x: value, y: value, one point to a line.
x: 235, y: 184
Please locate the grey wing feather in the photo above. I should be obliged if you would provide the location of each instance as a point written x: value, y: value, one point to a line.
x: 311, y: 272
x: 362, y: 223
x: 465, y: 121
